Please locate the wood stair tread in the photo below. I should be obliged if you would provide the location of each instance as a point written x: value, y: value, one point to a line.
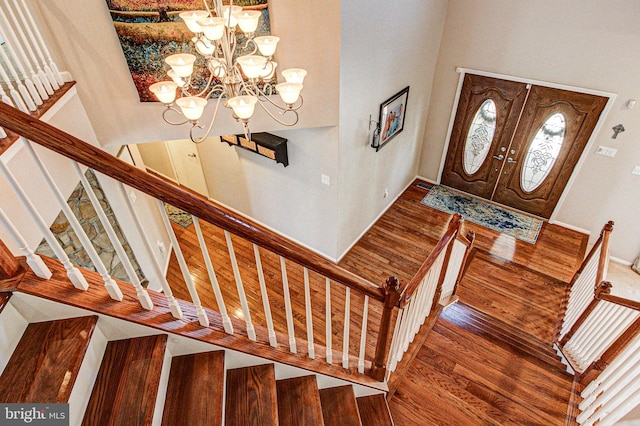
x: 44, y: 366
x: 299, y: 401
x: 480, y: 323
x: 195, y: 389
x: 339, y: 406
x: 127, y: 383
x: 251, y: 396
x: 374, y: 410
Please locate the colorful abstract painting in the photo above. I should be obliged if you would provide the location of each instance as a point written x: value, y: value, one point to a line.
x: 150, y: 30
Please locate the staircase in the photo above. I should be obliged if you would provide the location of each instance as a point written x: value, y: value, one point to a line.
x: 530, y: 348
x: 147, y: 378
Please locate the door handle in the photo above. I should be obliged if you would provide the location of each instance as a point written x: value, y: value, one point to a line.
x: 499, y: 157
x: 191, y: 155
x: 511, y: 160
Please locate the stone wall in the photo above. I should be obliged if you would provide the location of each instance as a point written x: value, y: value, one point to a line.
x: 88, y: 218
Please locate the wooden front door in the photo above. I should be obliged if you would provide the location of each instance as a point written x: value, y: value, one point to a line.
x: 486, y: 118
x: 523, y: 155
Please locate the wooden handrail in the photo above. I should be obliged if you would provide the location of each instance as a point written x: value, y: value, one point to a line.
x: 627, y: 303
x: 74, y: 148
x: 604, y: 252
x: 451, y: 232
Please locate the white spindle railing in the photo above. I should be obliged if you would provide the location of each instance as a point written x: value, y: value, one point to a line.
x: 25, y: 59
x: 34, y: 261
x: 346, y: 330
x: 186, y: 274
x: 112, y: 288
x: 174, y: 307
x: 287, y: 306
x: 597, y: 333
x: 266, y: 306
x: 213, y: 279
x: 581, y: 291
x: 615, y: 391
x: 363, y: 334
x: 412, y: 316
x: 328, y: 315
x: 454, y: 268
x: 251, y: 331
x: 309, y: 314
x: 141, y: 292
x: 73, y: 273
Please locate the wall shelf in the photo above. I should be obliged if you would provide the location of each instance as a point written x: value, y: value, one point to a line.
x: 265, y: 144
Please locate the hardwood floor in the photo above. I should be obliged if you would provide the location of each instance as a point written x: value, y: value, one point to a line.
x: 458, y: 377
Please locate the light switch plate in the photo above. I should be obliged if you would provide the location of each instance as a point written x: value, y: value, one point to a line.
x: 636, y: 170
x: 606, y: 151
x: 326, y: 180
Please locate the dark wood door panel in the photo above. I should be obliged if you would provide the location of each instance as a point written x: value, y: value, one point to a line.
x: 508, y: 97
x: 581, y: 112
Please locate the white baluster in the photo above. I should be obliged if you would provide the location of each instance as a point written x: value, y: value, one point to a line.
x: 141, y: 292
x: 202, y: 315
x: 287, y: 306
x: 309, y: 314
x: 619, y: 406
x: 110, y: 285
x: 74, y: 274
x: 26, y: 104
x: 251, y: 332
x: 34, y: 261
x: 39, y: 79
x: 174, y: 307
x: 363, y: 334
x: 14, y: 46
x: 53, y: 67
x: 226, y: 321
x: 49, y: 86
x: 327, y: 314
x: 347, y: 323
x: 265, y: 298
x: 395, y: 342
x: 3, y: 134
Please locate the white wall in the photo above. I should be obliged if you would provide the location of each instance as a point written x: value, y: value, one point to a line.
x: 155, y: 156
x: 590, y: 44
x: 285, y: 199
x: 386, y: 46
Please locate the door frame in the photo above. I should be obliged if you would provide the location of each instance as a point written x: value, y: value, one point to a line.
x: 587, y: 149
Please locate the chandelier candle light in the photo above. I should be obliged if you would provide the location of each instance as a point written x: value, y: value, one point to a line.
x: 242, y: 82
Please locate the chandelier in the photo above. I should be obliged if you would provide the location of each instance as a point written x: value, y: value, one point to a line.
x: 238, y: 82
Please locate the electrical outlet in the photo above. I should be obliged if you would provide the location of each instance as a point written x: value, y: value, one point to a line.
x: 606, y: 151
x: 161, y: 248
x: 386, y: 193
x: 132, y: 196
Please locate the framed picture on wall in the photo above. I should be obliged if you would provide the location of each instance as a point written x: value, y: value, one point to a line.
x: 391, y: 120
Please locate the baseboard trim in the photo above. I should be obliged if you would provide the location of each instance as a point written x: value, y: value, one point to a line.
x: 568, y: 226
x: 373, y: 222
x: 620, y: 261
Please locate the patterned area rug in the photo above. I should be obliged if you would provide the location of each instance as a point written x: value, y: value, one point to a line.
x: 480, y: 212
x: 178, y: 216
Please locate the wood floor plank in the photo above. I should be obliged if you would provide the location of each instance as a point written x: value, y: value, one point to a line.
x: 195, y: 389
x: 374, y: 410
x: 339, y: 406
x: 127, y: 383
x: 45, y: 364
x: 299, y: 402
x: 251, y: 396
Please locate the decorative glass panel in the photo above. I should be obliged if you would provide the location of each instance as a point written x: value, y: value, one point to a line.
x: 479, y: 137
x: 543, y: 152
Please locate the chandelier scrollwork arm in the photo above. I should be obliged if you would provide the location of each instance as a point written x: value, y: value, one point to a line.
x: 243, y: 79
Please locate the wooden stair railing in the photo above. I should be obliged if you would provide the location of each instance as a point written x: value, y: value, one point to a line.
x: 586, y: 279
x: 390, y: 295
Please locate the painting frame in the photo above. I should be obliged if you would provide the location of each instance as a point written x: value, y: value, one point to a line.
x: 392, y: 117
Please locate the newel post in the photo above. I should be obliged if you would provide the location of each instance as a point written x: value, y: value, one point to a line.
x: 391, y: 299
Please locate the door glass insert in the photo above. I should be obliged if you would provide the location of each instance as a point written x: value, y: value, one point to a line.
x: 479, y: 137
x: 543, y: 152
